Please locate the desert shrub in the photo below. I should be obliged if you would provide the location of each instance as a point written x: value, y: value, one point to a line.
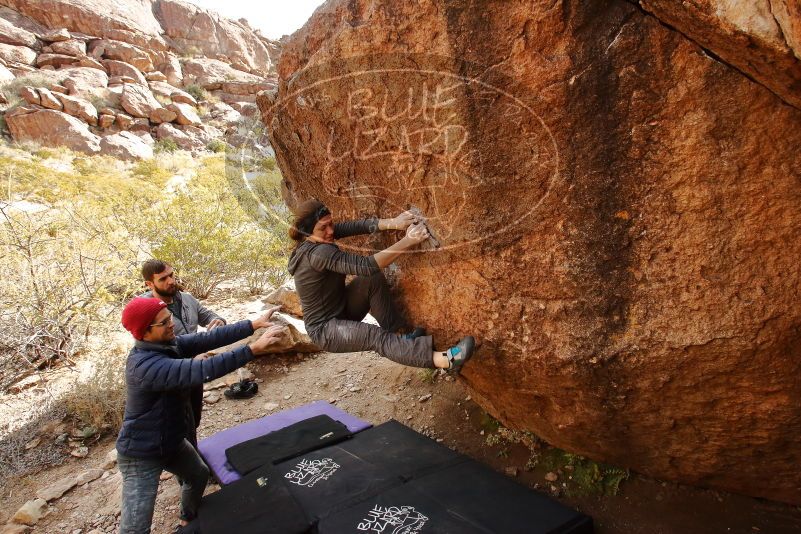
x: 62, y: 274
x: 151, y: 170
x: 105, y: 99
x: 98, y: 402
x: 16, y: 459
x: 72, y: 263
x: 262, y: 262
x: 216, y: 145
x: 45, y: 153
x: 197, y: 92
x: 166, y: 145
x: 191, y: 51
x: 268, y: 164
x: 211, y: 237
x: 11, y: 89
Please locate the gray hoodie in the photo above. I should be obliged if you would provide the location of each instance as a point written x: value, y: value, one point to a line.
x: 193, y: 313
x: 320, y: 269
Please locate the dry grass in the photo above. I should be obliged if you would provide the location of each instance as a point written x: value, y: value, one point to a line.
x: 98, y: 402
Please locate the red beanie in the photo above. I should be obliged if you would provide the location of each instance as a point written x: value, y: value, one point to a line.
x: 139, y: 314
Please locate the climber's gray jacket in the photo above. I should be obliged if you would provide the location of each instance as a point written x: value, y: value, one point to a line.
x: 320, y: 269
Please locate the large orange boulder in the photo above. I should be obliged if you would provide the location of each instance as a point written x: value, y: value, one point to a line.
x: 619, y: 215
x: 51, y: 128
x: 760, y: 37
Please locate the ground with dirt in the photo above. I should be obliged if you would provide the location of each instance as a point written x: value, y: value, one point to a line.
x: 439, y: 406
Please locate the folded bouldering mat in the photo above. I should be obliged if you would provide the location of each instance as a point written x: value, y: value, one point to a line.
x: 298, y: 438
x: 213, y: 447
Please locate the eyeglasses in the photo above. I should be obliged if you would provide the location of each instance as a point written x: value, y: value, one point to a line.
x: 165, y: 322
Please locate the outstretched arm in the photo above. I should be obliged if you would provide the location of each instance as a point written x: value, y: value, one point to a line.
x: 368, y: 226
x: 401, y: 222
x: 158, y: 372
x: 415, y: 234
x: 190, y: 345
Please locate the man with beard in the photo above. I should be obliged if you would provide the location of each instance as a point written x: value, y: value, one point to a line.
x: 187, y: 314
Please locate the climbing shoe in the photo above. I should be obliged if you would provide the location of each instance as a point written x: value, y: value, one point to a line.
x: 244, y: 389
x: 460, y: 353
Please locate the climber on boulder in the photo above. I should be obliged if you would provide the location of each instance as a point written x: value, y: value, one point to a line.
x: 333, y: 311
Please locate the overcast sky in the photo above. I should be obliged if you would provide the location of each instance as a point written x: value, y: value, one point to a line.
x: 273, y: 17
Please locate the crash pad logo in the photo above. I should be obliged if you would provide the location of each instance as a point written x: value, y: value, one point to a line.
x: 393, y: 520
x: 309, y: 472
x: 464, y: 144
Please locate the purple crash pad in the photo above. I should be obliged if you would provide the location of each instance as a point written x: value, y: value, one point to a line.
x: 213, y: 447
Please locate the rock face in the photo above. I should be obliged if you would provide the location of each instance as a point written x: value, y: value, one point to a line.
x: 79, y: 108
x: 52, y: 128
x: 92, y: 17
x: 126, y: 146
x: 92, y: 50
x: 192, y: 27
x: 17, y: 54
x: 138, y: 100
x: 82, y: 80
x: 13, y: 35
x: 30, y: 513
x: 121, y: 68
x: 212, y: 73
x: 618, y: 213
x: 186, y: 114
x: 760, y: 37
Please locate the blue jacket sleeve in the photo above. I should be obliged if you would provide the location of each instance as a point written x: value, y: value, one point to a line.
x: 350, y: 228
x: 190, y: 345
x: 158, y: 372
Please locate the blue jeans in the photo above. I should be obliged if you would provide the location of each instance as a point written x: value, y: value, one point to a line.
x: 140, y: 484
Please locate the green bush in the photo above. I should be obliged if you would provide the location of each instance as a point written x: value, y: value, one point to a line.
x: 191, y: 51
x: 163, y: 100
x: 71, y: 265
x: 268, y: 164
x: 211, y: 238
x: 166, y: 145
x: 152, y: 171
x: 197, y: 92
x: 216, y: 145
x: 586, y: 476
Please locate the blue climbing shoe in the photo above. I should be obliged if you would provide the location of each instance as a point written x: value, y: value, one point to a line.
x: 460, y: 353
x: 418, y: 331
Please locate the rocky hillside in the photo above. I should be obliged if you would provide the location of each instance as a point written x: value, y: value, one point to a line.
x: 616, y: 190
x: 112, y: 77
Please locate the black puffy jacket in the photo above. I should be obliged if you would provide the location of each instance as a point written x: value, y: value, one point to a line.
x: 158, y: 377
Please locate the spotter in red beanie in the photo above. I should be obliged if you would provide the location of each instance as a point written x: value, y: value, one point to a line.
x: 139, y: 314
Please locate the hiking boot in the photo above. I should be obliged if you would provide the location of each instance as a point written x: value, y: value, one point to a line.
x: 460, y: 353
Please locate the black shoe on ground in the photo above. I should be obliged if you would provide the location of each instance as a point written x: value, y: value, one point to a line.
x: 244, y: 389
